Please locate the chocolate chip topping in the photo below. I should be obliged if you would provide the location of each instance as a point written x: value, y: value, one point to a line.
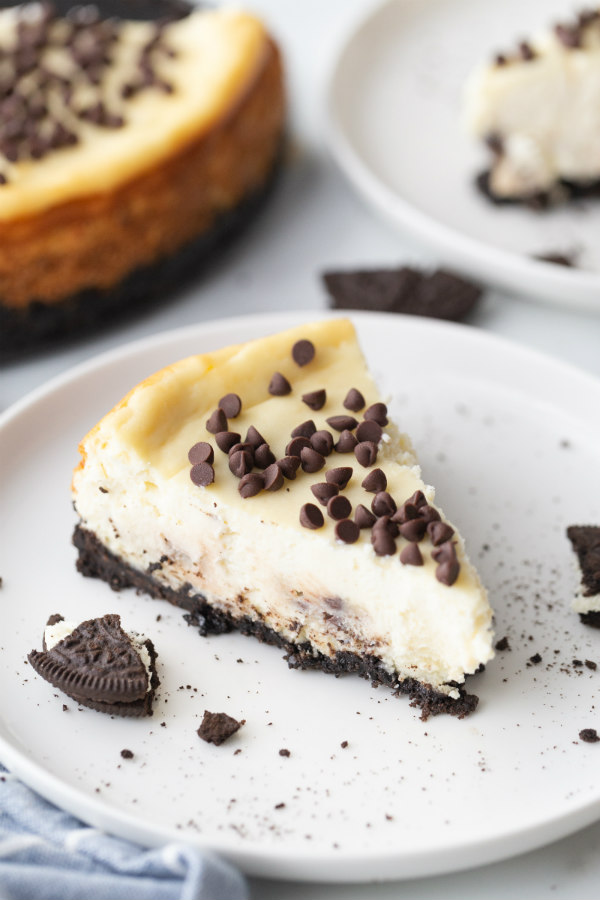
x: 339, y: 476
x: 310, y: 460
x: 263, y: 456
x: 342, y: 423
x: 439, y: 532
x: 231, y: 405
x: 406, y: 512
x: 429, y: 514
x: 303, y: 352
x: 383, y: 504
x: 296, y: 445
x: 366, y: 453
x: 383, y: 542
x: 363, y: 517
x: 315, y: 399
x: 375, y: 481
x: 217, y: 422
x: 411, y: 555
x: 250, y: 485
x: 339, y: 507
x: 369, y: 430
x: 354, y: 400
x: 202, y: 474
x: 448, y: 566
x: 304, y: 429
x: 289, y: 465
x: 377, y: 412
x: 242, y: 446
x: 311, y: 516
x: 347, y: 531
x: 254, y: 437
x: 273, y: 477
x: 324, y: 491
x: 227, y: 439
x: 279, y: 386
x: 526, y: 51
x: 240, y: 463
x: 347, y: 442
x: 413, y: 529
x: 201, y: 452
x: 322, y: 442
x: 418, y: 499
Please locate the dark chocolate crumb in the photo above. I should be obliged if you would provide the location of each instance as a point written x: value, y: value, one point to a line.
x: 535, y: 659
x: 284, y: 752
x: 589, y: 735
x: 126, y: 754
x: 502, y: 644
x: 216, y: 728
x: 590, y: 664
x: 344, y: 744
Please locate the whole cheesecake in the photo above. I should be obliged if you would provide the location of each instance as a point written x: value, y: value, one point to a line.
x: 130, y: 150
x: 262, y: 487
x: 538, y: 110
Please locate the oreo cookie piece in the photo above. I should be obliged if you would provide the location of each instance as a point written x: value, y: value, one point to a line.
x: 99, y: 665
x: 218, y: 727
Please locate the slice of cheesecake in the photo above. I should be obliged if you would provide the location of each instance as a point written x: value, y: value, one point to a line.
x: 262, y: 487
x: 585, y: 541
x: 538, y: 110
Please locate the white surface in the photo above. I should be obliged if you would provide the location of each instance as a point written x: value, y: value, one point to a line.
x: 314, y: 223
x: 405, y: 798
x: 395, y: 104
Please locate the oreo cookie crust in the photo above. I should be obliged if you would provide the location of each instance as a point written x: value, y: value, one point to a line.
x: 585, y: 541
x: 99, y: 665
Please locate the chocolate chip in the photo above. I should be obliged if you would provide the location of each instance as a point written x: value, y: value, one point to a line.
x: 279, y: 386
x: 202, y: 474
x: 322, y: 442
x: 342, y: 423
x: 526, y: 51
x: 413, y: 529
x: 386, y: 522
x: 315, y: 399
x: 369, y: 430
x: 296, y: 446
x: 241, y: 446
x: 500, y: 59
x: 377, y: 412
x: 201, y: 452
x: 273, y: 477
x: 303, y: 352
x: 250, y: 485
x: 347, y: 442
x: 447, y: 572
x: 418, y: 499
x: 375, y: 481
x: 263, y: 456
x: 254, y: 437
x: 589, y: 735
x: 568, y: 35
x: 311, y: 516
x: 289, y: 465
x: 231, y: 405
x: 383, y: 504
x: 406, y: 512
x: 240, y: 463
x: 366, y: 453
x: 347, y: 531
x: 324, y: 492
x: 217, y: 422
x: 383, y: 542
x: 354, y: 400
x: 411, y: 555
x: 444, y: 552
x: 339, y: 507
x: 340, y: 476
x: 226, y: 440
x: 439, y: 532
x: 429, y: 514
x: 304, y: 429
x: 363, y: 517
x: 310, y: 460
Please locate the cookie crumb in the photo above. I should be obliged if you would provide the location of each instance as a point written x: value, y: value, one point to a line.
x: 503, y: 644
x: 216, y: 728
x: 284, y: 752
x: 126, y: 754
x: 589, y: 735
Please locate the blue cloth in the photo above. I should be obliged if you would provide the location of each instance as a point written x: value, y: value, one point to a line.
x: 47, y: 854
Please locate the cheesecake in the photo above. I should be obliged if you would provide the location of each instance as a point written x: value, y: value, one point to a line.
x: 537, y: 109
x: 130, y: 152
x: 585, y: 542
x: 262, y: 487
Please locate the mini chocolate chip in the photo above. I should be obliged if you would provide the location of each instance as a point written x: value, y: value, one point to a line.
x: 447, y: 572
x: 418, y: 499
x: 411, y: 555
x: 339, y: 507
x: 445, y: 552
x: 202, y: 474
x: 363, y: 517
x: 347, y: 442
x: 347, y: 531
x: 296, y: 446
x: 303, y: 352
x: 289, y: 465
x: 526, y: 51
x: 383, y: 504
x: 311, y: 516
x: 263, y: 456
x: 315, y: 399
x: 254, y: 437
x: 240, y: 463
x: 439, y: 532
x: 322, y: 442
x: 279, y: 386
x: 568, y: 35
x: 226, y: 440
x: 405, y: 513
x: 324, y: 492
x: 201, y: 452
x: 413, y: 529
x: 217, y: 422
x: 366, y: 453
x: 273, y: 477
x: 241, y: 446
x: 429, y: 513
x: 231, y: 405
x: 386, y: 522
x: 369, y: 430
x: 340, y: 476
x: 310, y: 460
x: 377, y: 412
x: 375, y: 481
x: 500, y: 59
x: 342, y: 423
x: 304, y: 429
x: 354, y: 400
x: 383, y: 542
x: 251, y: 484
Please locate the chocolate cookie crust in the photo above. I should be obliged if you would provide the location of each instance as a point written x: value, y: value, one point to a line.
x: 566, y: 191
x: 95, y: 561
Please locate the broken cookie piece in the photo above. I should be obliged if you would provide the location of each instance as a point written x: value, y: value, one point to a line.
x: 216, y: 728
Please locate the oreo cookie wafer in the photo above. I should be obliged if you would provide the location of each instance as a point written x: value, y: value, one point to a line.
x: 99, y: 665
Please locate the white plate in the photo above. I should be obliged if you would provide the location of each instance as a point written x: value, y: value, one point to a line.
x: 394, y: 107
x: 507, y: 436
